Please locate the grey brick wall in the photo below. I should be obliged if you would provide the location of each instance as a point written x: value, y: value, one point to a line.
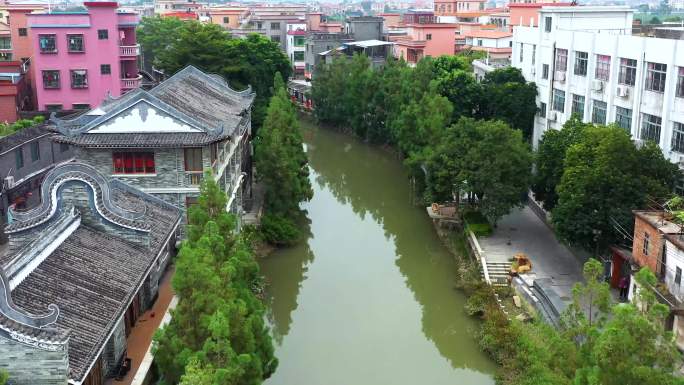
x: 80, y: 196
x: 114, y: 349
x: 27, y: 365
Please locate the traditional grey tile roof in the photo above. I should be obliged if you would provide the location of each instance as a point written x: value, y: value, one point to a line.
x: 204, y: 104
x: 141, y: 140
x: 93, y: 275
x: 206, y: 97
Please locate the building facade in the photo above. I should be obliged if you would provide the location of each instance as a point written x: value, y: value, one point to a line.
x: 163, y: 141
x: 15, y: 91
x: 295, y: 48
x: 317, y: 42
x: 424, y: 37
x: 80, y: 269
x: 25, y: 157
x: 364, y: 27
x: 606, y: 76
x: 81, y: 57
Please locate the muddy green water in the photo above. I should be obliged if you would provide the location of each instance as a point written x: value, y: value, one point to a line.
x: 368, y: 298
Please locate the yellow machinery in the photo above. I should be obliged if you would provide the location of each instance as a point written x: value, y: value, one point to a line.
x: 521, y: 264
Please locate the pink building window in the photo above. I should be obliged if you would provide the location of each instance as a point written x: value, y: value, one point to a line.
x: 75, y: 43
x: 51, y: 79
x: 47, y: 43
x: 79, y: 79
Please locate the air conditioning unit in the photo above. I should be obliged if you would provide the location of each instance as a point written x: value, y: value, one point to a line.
x: 597, y: 85
x: 9, y: 182
x: 553, y: 116
x: 560, y: 76
x: 623, y: 91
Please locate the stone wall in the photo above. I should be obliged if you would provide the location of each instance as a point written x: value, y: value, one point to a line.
x: 27, y: 365
x: 114, y: 349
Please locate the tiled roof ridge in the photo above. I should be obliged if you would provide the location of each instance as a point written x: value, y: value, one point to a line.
x: 33, y: 330
x: 74, y: 127
x: 217, y: 79
x: 101, y: 191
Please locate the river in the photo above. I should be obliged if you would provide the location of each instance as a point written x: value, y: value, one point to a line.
x: 368, y: 297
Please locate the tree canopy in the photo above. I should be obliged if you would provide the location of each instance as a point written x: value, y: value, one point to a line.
x: 605, y: 176
x: 597, y: 343
x: 282, y: 167
x: 217, y: 334
x: 486, y: 160
x: 550, y: 160
x: 413, y: 109
x: 174, y: 44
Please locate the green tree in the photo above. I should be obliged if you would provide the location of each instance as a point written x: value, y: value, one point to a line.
x: 486, y: 160
x: 605, y: 177
x: 155, y: 34
x: 655, y: 20
x: 4, y: 377
x: 330, y: 94
x: 462, y: 90
x: 282, y: 167
x: 218, y: 316
x: 508, y: 97
x: 550, y: 160
x: 242, y: 62
x: 633, y: 347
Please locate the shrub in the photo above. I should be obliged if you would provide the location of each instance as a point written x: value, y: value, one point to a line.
x: 480, y: 229
x: 477, y: 223
x: 278, y: 230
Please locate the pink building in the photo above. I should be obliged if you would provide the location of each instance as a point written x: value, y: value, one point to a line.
x: 80, y: 57
x: 527, y: 14
x: 424, y: 37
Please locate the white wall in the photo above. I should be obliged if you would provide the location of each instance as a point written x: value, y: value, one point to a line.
x: 616, y: 45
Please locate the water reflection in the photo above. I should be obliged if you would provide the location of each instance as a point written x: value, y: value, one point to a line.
x: 284, y: 276
x: 380, y: 286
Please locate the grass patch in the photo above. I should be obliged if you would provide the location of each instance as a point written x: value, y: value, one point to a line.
x: 477, y: 223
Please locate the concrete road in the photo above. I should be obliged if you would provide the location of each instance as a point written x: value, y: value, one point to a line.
x: 522, y: 231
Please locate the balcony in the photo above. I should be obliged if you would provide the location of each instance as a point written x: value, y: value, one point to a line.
x: 132, y: 83
x: 129, y: 51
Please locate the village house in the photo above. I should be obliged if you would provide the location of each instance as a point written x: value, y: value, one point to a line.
x: 296, y: 35
x: 15, y: 91
x: 424, y: 37
x: 162, y: 141
x: 658, y: 244
x: 25, y: 157
x: 80, y: 57
x: 80, y: 269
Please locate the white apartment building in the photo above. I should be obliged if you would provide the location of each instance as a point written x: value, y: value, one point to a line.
x: 584, y: 60
x: 295, y: 47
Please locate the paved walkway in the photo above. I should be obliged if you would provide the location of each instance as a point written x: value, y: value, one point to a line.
x: 522, y: 231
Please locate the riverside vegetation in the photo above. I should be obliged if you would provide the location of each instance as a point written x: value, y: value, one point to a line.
x: 217, y: 333
x: 597, y: 344
x: 461, y: 138
x: 282, y: 168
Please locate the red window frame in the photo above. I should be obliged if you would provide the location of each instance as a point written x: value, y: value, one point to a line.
x: 133, y: 163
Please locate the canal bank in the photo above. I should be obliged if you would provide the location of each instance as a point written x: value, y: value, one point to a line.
x: 369, y: 297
